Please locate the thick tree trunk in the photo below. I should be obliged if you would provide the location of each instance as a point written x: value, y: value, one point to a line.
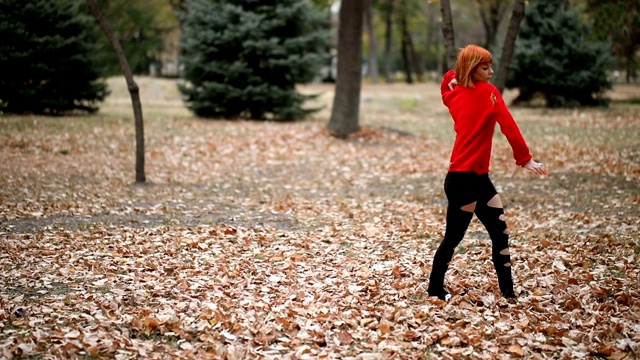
x: 447, y: 34
x: 509, y: 43
x: 134, y: 91
x: 346, y: 101
x: 373, y: 48
x: 387, y: 43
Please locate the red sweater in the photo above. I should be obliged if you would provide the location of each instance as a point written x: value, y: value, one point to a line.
x: 475, y: 112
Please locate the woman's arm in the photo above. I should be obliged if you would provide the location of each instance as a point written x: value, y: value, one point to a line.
x: 509, y: 128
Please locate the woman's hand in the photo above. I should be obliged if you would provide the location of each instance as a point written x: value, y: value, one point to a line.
x: 536, y: 167
x: 452, y: 83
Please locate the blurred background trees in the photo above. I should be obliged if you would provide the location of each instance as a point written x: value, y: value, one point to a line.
x: 414, y: 23
x: 618, y: 21
x: 402, y: 39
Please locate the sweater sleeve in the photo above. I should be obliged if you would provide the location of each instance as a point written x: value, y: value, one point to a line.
x: 510, y: 129
x: 444, y: 86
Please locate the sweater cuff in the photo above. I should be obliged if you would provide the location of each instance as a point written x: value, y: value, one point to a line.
x: 523, y: 161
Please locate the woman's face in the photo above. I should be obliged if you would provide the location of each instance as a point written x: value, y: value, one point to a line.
x: 483, y: 72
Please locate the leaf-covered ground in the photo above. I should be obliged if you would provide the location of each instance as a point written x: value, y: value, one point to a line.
x: 267, y: 240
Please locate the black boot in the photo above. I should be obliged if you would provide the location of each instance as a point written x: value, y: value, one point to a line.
x: 505, y: 281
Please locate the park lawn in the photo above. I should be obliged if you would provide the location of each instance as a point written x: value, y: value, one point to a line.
x: 276, y: 240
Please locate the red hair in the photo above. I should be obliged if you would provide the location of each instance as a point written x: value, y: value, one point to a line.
x: 469, y: 58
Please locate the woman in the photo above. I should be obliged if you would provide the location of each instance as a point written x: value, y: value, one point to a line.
x: 475, y: 106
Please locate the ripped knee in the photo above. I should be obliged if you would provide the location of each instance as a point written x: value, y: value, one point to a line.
x: 470, y: 207
x: 495, y: 202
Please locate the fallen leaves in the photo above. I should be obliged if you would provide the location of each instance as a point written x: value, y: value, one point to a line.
x: 515, y: 350
x: 263, y: 240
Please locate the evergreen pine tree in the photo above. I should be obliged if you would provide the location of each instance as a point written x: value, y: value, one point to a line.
x: 553, y: 56
x: 47, y: 57
x: 243, y: 58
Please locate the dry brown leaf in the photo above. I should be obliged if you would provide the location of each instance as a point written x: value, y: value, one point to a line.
x: 516, y: 350
x: 345, y: 337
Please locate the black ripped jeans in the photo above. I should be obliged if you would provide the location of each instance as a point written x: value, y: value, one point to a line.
x: 463, y: 189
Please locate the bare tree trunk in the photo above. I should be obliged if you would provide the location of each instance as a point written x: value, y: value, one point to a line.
x: 373, y: 48
x: 441, y: 59
x: 405, y: 60
x: 387, y: 42
x: 415, y: 62
x: 134, y: 91
x: 330, y: 61
x: 409, y: 55
x: 491, y: 14
x: 405, y: 42
x: 447, y: 33
x: 630, y: 68
x: 346, y: 100
x: 428, y: 45
x: 509, y: 44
